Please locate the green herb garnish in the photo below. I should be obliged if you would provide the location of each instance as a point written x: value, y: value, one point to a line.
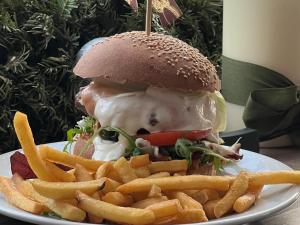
x: 51, y: 215
x: 185, y: 148
x: 86, y: 126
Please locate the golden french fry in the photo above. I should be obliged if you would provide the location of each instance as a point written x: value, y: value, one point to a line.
x: 160, y: 174
x: 117, y: 198
x: 103, y: 170
x: 60, y: 174
x: 192, y: 210
x: 256, y: 190
x: 115, y: 213
x: 209, y: 207
x: 91, y: 217
x: 203, y: 195
x: 94, y: 219
x: 168, y: 166
x: 191, y: 216
x: 16, y: 198
x: 71, y: 201
x: 113, y: 174
x: 244, y: 202
x: 192, y: 182
x: 63, y: 190
x: 247, y: 200
x: 63, y: 209
x: 166, y: 208
x: 67, y: 159
x: 109, y: 186
x: 166, y: 220
x: 138, y: 196
x: 148, y: 201
x: 139, y: 161
x: 26, y: 140
x: 142, y: 172
x: 155, y: 191
x: 82, y: 174
x: 237, y: 189
x: 274, y: 177
x: 124, y: 170
x: 181, y: 173
x: 186, y: 201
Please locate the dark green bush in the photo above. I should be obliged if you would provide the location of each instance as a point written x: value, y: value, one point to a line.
x: 39, y: 40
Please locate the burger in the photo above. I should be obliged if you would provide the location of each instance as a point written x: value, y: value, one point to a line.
x: 151, y: 94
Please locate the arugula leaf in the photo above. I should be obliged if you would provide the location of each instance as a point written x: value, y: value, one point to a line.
x: 185, y: 148
x: 136, y: 152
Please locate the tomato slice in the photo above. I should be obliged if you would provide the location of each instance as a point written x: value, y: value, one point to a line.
x: 170, y: 137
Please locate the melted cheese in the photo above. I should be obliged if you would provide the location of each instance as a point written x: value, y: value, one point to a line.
x: 156, y: 110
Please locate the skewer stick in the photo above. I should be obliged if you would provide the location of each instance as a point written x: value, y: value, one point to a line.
x: 148, y: 16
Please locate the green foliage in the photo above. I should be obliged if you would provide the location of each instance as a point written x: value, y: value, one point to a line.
x: 38, y: 45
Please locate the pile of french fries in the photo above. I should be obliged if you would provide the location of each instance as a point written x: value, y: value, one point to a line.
x: 135, y: 191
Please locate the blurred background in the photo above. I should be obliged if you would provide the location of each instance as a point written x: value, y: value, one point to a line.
x: 39, y: 42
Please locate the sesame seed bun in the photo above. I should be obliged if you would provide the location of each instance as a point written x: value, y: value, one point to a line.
x: 157, y: 60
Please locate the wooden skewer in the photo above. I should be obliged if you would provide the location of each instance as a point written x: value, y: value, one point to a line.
x: 148, y: 17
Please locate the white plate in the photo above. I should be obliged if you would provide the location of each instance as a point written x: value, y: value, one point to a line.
x: 273, y: 199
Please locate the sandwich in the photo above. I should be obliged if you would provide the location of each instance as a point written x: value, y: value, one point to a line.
x: 153, y: 95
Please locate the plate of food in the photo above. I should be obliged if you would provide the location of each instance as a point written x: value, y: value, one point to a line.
x: 148, y: 151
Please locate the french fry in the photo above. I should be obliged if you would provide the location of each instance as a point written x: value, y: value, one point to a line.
x: 110, y: 185
x: 247, y: 200
x: 63, y: 190
x: 60, y: 174
x: 103, y: 170
x: 14, y: 197
x: 142, y: 172
x: 126, y: 173
x: 67, y: 159
x: 113, y: 174
x: 117, y: 198
x: 203, y: 195
x: 148, y: 201
x: 115, y: 213
x: 181, y: 173
x: 274, y: 177
x: 159, y: 174
x: 26, y: 140
x: 209, y: 207
x: 166, y: 220
x: 166, y: 208
x: 186, y: 201
x: 192, y: 182
x: 191, y: 216
x: 82, y: 174
x: 139, y: 196
x: 155, y: 191
x: 94, y: 219
x: 139, y: 161
x: 91, y: 217
x: 237, y: 189
x: 168, y: 166
x: 71, y: 201
x: 63, y: 209
x: 192, y: 210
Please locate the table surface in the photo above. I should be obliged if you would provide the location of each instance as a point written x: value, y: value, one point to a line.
x: 288, y: 216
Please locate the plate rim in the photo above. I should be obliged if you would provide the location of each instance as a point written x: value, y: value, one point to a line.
x: 38, y: 219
